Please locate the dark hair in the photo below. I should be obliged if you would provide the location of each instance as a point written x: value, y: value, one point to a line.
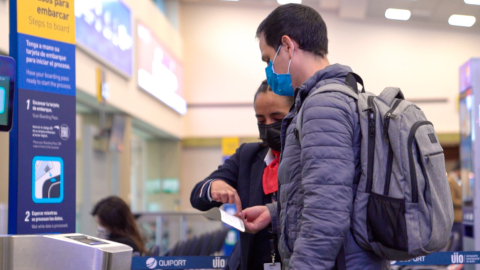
x: 458, y: 166
x: 264, y: 88
x: 115, y: 215
x: 301, y: 23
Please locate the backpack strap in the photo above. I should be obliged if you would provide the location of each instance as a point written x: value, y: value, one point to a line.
x: 333, y: 87
x: 352, y: 79
x: 389, y: 94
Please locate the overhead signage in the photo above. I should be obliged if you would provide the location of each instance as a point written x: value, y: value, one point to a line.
x: 104, y: 28
x: 159, y: 73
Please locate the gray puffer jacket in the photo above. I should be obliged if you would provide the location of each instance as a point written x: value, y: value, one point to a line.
x: 317, y: 180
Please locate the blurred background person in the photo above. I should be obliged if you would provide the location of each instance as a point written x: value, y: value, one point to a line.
x: 455, y: 173
x: 115, y: 222
x: 249, y: 178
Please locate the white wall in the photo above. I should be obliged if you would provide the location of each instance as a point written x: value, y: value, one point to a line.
x: 223, y: 66
x: 196, y: 163
x: 422, y: 61
x: 223, y: 63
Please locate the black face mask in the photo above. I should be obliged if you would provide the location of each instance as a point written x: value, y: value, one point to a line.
x: 270, y: 135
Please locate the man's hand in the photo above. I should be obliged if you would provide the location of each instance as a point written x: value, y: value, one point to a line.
x: 224, y: 193
x: 256, y: 218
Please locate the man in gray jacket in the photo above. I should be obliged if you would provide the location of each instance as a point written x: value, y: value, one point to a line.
x: 317, y: 177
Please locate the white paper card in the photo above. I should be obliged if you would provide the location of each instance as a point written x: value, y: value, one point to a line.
x: 233, y: 221
x: 219, y: 214
x: 269, y: 266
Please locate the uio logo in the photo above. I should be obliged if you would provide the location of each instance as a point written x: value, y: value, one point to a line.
x: 218, y: 263
x: 151, y: 263
x: 457, y: 258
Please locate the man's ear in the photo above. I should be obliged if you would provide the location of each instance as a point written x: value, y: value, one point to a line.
x: 289, y: 44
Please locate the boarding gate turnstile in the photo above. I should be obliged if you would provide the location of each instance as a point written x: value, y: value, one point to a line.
x: 62, y: 251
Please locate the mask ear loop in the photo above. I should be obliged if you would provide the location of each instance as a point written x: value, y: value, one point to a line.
x: 273, y: 69
x: 276, y: 54
x: 290, y: 62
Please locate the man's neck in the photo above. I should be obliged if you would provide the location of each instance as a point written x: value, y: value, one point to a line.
x: 311, y: 66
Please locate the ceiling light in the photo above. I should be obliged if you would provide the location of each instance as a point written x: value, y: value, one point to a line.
x: 461, y: 20
x: 398, y: 14
x: 472, y: 2
x: 283, y: 2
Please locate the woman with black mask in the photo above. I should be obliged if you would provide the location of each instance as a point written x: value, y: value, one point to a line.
x: 249, y: 178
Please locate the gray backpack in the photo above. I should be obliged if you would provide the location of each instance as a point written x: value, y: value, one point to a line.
x: 402, y: 207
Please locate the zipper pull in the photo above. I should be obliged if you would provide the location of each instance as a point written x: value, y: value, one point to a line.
x: 371, y: 121
x: 371, y: 125
x: 386, y: 123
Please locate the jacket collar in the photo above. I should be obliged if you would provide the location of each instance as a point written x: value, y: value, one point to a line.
x: 335, y: 73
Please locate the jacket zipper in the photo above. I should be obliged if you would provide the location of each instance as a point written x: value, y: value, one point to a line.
x: 413, y: 171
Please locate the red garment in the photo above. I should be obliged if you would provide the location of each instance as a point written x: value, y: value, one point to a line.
x: 270, y: 175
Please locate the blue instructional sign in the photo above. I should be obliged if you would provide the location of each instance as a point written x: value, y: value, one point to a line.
x: 46, y: 65
x: 187, y: 262
x: 42, y: 140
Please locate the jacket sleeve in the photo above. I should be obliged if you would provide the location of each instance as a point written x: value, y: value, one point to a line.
x: 272, y: 208
x: 328, y: 171
x: 227, y: 172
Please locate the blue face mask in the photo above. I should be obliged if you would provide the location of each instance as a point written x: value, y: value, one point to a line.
x: 281, y: 84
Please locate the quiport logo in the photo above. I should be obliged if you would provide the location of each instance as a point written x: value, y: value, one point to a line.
x: 151, y: 263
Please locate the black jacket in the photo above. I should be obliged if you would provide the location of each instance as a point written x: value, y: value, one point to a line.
x: 244, y: 172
